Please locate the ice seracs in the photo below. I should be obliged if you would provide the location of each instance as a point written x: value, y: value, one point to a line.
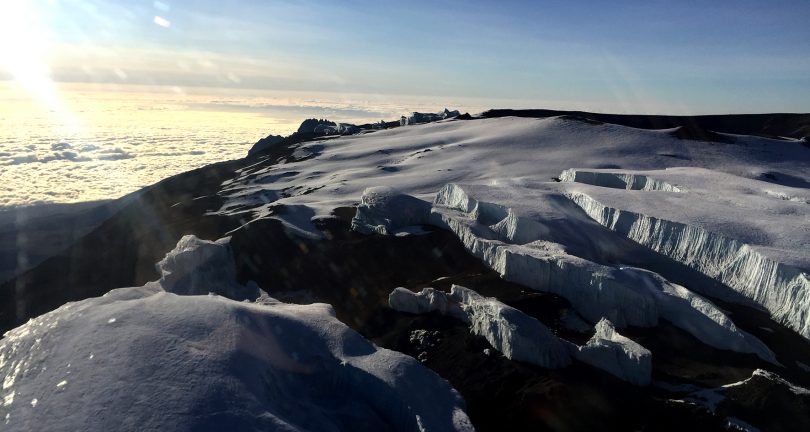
x: 510, y: 331
x: 418, y: 117
x: 620, y: 356
x: 384, y: 210
x: 726, y: 227
x: 520, y: 243
x: 199, y: 267
x: 521, y: 337
x: 156, y: 360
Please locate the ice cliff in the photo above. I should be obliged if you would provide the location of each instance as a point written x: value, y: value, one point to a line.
x: 756, y: 249
x: 515, y: 242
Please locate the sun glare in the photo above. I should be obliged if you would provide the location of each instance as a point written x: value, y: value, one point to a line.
x: 24, y: 49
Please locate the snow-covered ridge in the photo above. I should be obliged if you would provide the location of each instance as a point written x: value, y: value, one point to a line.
x: 782, y: 289
x: 521, y: 156
x: 156, y: 360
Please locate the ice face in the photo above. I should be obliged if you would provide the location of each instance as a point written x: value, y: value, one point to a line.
x: 748, y: 241
x: 514, y: 241
x: 198, y: 267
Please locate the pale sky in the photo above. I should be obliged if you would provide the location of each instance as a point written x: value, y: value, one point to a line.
x: 684, y: 57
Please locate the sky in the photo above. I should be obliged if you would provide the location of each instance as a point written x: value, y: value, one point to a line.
x: 682, y: 57
x: 99, y: 98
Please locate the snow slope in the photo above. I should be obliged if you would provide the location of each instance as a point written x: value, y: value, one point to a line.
x: 147, y: 359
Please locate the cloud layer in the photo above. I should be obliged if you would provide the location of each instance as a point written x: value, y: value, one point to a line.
x: 103, y: 144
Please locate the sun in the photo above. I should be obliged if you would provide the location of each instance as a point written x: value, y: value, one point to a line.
x: 23, y: 51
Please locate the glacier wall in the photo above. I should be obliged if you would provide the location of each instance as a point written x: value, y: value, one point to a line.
x: 513, y: 245
x: 626, y: 296
x: 540, y: 265
x: 629, y: 181
x: 782, y: 289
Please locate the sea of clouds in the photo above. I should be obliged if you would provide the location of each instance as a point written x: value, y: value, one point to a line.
x: 104, y: 144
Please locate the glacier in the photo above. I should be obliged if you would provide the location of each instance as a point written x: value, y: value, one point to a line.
x: 746, y: 235
x: 159, y: 360
x: 759, y: 252
x: 515, y: 243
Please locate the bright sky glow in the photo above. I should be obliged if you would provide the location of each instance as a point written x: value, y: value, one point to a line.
x: 620, y: 56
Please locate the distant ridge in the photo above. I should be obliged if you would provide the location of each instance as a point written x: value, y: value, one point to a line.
x: 695, y: 127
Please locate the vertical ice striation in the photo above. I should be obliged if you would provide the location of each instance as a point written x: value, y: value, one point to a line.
x: 617, y: 180
x: 782, y: 289
x: 514, y: 245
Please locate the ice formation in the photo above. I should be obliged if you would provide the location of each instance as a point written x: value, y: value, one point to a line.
x: 620, y: 356
x: 418, y: 117
x: 510, y: 331
x: 155, y: 360
x: 617, y: 180
x: 710, y: 398
x: 384, y: 209
x: 760, y: 252
x: 625, y: 295
x: 521, y: 337
x: 198, y: 267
